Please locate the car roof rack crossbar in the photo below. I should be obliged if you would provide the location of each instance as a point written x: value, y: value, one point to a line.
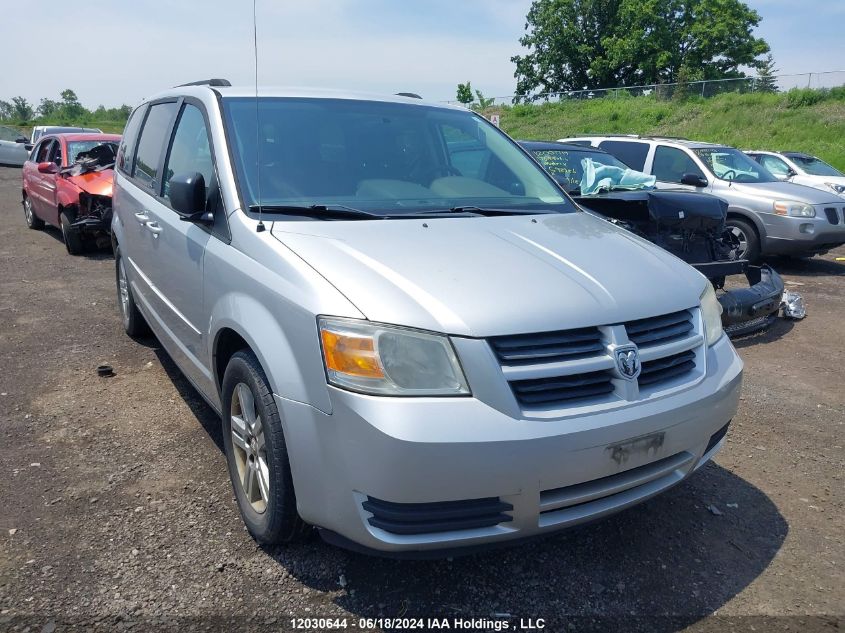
x: 207, y: 82
x: 410, y: 95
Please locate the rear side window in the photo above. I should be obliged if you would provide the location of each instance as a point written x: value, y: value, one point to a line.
x: 631, y: 153
x: 127, y: 143
x: 152, y: 142
x: 773, y: 164
x: 670, y: 164
x: 190, y: 151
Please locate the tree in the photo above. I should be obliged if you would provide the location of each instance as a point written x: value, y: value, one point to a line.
x: 564, y: 41
x: 71, y: 109
x: 21, y: 109
x: 483, y: 102
x: 465, y: 93
x: 766, y: 80
x: 577, y: 44
x: 5, y: 110
x: 47, y: 107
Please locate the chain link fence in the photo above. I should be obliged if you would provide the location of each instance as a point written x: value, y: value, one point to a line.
x: 705, y: 89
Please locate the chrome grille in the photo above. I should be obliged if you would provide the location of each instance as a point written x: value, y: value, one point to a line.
x: 666, y: 368
x: 548, y: 371
x: 562, y: 388
x: 661, y: 329
x: 547, y: 347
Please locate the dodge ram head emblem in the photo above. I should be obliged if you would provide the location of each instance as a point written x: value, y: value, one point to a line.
x: 628, y: 362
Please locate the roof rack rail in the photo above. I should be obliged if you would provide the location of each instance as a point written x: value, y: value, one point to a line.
x: 207, y: 82
x: 668, y: 138
x: 410, y: 95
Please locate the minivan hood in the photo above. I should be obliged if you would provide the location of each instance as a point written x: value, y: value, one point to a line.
x: 485, y: 276
x: 782, y: 191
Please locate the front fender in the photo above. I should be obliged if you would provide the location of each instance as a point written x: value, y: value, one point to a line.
x: 751, y: 216
x: 291, y: 359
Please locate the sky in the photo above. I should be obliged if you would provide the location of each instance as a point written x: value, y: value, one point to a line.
x: 112, y: 52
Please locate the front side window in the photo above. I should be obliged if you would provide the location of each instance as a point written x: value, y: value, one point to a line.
x: 43, y: 153
x: 566, y: 165
x: 632, y: 153
x: 670, y: 164
x: 151, y: 143
x: 190, y: 151
x: 727, y: 163
x: 815, y: 166
x: 384, y: 158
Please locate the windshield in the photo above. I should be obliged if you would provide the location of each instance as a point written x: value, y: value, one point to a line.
x: 384, y: 158
x: 814, y: 166
x: 75, y: 148
x: 566, y: 167
x: 727, y: 163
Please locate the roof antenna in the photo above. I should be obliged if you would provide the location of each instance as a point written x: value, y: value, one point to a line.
x: 260, y: 228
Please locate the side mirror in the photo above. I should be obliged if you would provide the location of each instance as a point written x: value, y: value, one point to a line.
x: 28, y: 147
x: 791, y: 173
x: 693, y: 180
x: 187, y: 195
x: 48, y: 168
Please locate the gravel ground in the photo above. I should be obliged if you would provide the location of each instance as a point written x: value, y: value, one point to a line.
x: 117, y: 510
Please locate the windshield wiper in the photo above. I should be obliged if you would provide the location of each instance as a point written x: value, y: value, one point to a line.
x: 488, y: 211
x: 334, y: 211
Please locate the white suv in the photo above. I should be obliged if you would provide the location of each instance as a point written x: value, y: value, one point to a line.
x: 767, y: 216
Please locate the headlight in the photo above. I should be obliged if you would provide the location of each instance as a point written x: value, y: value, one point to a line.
x: 836, y: 187
x: 389, y: 361
x: 711, y: 312
x: 794, y: 209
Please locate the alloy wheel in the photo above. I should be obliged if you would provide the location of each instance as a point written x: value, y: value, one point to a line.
x: 741, y: 239
x: 27, y: 210
x: 249, y: 448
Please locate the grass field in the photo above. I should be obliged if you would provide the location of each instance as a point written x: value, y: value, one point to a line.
x: 811, y: 121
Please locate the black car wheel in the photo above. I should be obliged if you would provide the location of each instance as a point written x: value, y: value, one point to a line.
x: 745, y: 235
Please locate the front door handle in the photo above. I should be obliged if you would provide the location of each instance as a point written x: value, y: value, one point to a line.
x: 154, y: 228
x: 142, y: 217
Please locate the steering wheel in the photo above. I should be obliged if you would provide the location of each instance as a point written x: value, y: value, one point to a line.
x: 731, y: 177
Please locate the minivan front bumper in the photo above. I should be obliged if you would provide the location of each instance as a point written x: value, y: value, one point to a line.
x: 399, y: 462
x: 805, y: 236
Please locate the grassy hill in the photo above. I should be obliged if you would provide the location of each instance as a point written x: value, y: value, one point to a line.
x: 811, y: 121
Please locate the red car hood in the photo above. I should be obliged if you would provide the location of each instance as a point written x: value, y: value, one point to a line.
x: 98, y: 183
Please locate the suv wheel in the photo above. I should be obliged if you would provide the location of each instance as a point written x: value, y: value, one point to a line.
x: 72, y: 238
x: 257, y: 455
x: 746, y: 236
x: 133, y: 321
x: 32, y: 220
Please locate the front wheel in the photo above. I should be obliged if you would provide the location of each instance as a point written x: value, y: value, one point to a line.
x: 71, y: 236
x: 745, y: 236
x: 32, y: 220
x: 257, y: 455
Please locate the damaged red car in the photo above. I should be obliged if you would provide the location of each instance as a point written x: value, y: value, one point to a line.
x: 67, y: 182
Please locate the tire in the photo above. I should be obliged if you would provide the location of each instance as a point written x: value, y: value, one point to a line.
x: 257, y: 455
x: 133, y: 321
x: 73, y: 240
x: 32, y: 220
x: 749, y: 240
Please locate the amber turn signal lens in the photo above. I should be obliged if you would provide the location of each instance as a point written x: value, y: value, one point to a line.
x: 352, y: 355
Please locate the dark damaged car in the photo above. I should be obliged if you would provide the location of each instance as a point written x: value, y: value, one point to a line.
x: 688, y: 224
x: 67, y: 182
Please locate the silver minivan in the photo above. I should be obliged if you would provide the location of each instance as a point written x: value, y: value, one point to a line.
x: 415, y: 340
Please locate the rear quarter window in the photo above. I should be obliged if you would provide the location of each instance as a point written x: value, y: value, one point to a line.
x: 127, y: 142
x: 631, y: 153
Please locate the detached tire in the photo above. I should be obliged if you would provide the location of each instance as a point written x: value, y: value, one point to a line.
x: 257, y: 455
x: 133, y: 321
x: 32, y: 220
x: 73, y: 240
x: 749, y: 242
